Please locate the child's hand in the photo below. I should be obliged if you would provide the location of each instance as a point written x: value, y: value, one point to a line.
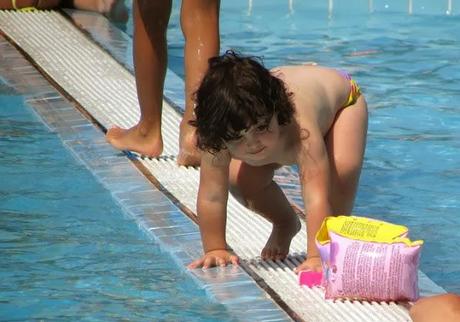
x: 310, y: 264
x: 218, y: 257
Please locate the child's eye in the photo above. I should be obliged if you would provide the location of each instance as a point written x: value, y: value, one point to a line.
x: 262, y: 128
x: 236, y: 140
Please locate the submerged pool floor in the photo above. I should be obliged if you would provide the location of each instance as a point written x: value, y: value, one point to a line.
x: 106, y: 90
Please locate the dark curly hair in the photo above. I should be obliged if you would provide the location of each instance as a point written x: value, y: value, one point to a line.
x: 236, y: 93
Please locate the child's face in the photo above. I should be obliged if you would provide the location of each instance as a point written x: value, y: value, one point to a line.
x: 257, y: 143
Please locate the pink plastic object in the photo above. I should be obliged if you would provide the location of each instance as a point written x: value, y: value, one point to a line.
x: 358, y: 269
x: 310, y: 278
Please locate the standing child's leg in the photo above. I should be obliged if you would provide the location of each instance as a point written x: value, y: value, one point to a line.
x: 200, y: 26
x: 346, y: 142
x: 150, y: 59
x: 254, y: 187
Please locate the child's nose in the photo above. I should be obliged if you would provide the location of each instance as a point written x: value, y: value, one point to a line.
x: 253, y: 142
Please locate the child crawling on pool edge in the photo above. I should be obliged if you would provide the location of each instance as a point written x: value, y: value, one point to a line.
x: 250, y: 121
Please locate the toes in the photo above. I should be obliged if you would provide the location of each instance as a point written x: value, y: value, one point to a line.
x: 273, y: 254
x: 280, y: 256
x: 208, y: 262
x: 234, y: 260
x: 263, y: 254
x: 268, y: 253
x: 221, y: 262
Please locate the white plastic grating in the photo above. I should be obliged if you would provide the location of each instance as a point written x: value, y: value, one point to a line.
x: 108, y: 92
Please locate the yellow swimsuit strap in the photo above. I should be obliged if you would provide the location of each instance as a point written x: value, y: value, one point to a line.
x: 355, y: 92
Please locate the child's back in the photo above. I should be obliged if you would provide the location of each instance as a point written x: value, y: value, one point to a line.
x: 318, y: 92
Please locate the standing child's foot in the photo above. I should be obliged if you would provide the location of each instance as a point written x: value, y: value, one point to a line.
x: 277, y: 246
x: 133, y: 139
x: 189, y: 154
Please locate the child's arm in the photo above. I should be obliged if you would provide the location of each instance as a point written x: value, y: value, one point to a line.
x: 212, y: 211
x: 315, y: 181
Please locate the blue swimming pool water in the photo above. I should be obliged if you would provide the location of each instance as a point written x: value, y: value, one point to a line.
x: 67, y: 251
x: 407, y: 66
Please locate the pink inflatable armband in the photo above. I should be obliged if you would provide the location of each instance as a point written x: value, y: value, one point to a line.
x: 368, y: 259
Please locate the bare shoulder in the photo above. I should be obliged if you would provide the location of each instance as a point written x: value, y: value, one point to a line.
x: 306, y: 71
x: 303, y: 79
x: 288, y: 73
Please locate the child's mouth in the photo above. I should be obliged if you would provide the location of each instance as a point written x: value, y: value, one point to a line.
x: 256, y: 151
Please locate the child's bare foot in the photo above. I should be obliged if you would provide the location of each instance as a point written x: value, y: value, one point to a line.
x: 133, y: 139
x: 277, y: 246
x: 189, y: 154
